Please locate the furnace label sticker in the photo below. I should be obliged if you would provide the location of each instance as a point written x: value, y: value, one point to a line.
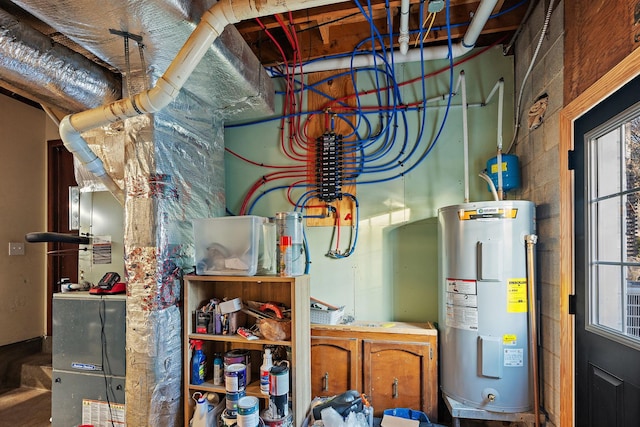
x: 517, y: 295
x: 462, y: 304
x: 102, y: 414
x: 513, y: 357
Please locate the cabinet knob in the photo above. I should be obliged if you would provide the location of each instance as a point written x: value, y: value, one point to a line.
x: 325, y: 382
x: 395, y: 388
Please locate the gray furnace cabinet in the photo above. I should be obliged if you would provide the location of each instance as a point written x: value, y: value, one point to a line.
x: 88, y: 359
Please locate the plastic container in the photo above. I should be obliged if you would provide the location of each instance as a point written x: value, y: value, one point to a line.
x: 291, y: 224
x: 227, y: 246
x: 326, y: 317
x: 267, y: 363
x: 408, y: 414
x: 218, y: 370
x: 198, y: 363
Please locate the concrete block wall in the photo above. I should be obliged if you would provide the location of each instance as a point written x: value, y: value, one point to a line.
x: 538, y: 152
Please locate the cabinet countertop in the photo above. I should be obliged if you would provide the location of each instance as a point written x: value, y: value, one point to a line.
x: 392, y: 327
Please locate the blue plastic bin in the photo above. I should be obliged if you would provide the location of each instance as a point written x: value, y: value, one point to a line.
x: 407, y: 413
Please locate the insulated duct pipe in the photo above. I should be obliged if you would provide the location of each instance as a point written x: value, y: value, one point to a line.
x: 50, y: 73
x: 403, y: 38
x: 426, y: 54
x: 168, y: 86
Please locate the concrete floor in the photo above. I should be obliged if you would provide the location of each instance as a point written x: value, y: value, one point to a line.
x: 25, y: 407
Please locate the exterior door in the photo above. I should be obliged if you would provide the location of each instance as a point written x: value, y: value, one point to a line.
x: 607, y: 261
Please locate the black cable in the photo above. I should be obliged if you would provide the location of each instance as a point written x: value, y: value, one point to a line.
x: 105, y: 357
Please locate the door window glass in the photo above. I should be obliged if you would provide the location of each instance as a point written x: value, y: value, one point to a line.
x: 613, y: 212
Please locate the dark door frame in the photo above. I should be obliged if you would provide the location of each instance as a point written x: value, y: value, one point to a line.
x: 622, y: 73
x: 60, y: 176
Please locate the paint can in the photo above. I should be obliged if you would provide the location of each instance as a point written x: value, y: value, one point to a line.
x: 279, y: 390
x: 228, y: 418
x: 276, y: 422
x: 232, y: 401
x: 235, y: 377
x: 239, y: 355
x: 248, y: 412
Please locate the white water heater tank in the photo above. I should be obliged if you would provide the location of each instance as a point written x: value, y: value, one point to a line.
x: 483, y: 306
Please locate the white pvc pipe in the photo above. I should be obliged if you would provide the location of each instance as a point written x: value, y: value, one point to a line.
x: 465, y: 137
x: 500, y: 111
x: 492, y: 186
x: 500, y: 108
x: 403, y: 38
x: 168, y: 86
x: 479, y: 20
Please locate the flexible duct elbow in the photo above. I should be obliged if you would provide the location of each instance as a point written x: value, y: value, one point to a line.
x: 77, y: 146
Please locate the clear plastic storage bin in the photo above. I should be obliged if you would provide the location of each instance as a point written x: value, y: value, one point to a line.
x: 227, y: 246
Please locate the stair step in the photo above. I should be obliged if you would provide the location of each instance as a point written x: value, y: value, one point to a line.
x: 36, y: 371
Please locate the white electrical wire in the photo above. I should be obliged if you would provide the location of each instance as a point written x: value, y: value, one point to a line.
x: 492, y: 186
x: 526, y: 76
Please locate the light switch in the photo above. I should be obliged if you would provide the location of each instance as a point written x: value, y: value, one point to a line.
x: 16, y: 248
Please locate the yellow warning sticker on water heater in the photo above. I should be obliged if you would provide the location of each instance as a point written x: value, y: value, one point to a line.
x: 517, y: 296
x: 509, y: 339
x: 487, y: 213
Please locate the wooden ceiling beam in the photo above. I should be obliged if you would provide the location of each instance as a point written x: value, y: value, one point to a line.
x: 324, y: 33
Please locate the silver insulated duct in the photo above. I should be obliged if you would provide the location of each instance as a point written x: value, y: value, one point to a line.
x: 35, y: 67
x: 230, y: 81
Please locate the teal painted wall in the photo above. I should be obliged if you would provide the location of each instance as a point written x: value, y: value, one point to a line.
x: 393, y: 274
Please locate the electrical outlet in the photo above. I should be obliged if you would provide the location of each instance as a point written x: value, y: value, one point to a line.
x: 16, y: 248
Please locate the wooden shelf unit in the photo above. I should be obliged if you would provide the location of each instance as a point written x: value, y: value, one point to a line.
x: 293, y: 292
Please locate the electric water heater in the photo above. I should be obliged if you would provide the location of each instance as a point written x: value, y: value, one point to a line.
x: 483, y: 306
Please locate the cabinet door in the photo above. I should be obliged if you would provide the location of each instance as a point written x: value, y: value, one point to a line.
x: 397, y: 375
x: 335, y: 367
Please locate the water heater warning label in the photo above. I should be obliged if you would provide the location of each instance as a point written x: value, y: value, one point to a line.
x: 462, y: 304
x: 513, y: 357
x: 517, y: 296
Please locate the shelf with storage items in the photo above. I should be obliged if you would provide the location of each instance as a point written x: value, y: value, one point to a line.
x: 292, y: 292
x: 394, y: 363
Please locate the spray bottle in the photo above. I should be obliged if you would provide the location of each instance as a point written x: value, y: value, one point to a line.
x: 218, y: 370
x: 198, y: 363
x: 264, y: 371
